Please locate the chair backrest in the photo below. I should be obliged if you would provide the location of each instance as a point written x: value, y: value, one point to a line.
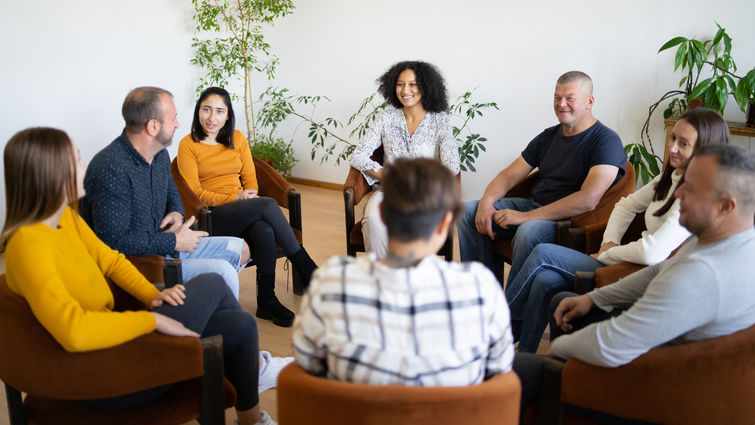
x: 306, y: 399
x: 190, y: 200
x: 623, y: 187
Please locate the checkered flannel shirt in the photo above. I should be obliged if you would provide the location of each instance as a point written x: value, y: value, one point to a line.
x: 434, y: 324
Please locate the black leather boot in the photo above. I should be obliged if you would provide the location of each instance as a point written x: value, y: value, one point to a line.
x: 268, y: 306
x: 304, y: 265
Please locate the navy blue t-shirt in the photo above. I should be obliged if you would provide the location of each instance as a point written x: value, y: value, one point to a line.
x: 565, y: 161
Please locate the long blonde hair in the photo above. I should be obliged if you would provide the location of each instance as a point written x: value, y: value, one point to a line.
x: 40, y: 174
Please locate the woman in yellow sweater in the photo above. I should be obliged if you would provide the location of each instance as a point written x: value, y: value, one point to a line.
x: 216, y: 162
x: 55, y: 261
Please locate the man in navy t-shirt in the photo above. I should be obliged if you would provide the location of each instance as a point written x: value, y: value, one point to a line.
x: 578, y: 159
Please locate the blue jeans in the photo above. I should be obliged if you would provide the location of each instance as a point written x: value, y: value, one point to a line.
x: 548, y: 270
x: 221, y: 255
x: 475, y: 246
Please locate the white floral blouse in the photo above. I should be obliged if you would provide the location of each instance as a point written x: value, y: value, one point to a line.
x: 433, y: 138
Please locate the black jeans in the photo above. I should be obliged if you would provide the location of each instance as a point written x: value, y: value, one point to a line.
x: 262, y: 225
x: 210, y: 309
x: 528, y: 365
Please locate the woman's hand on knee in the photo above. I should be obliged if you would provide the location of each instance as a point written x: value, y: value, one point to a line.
x: 246, y: 194
x: 174, y: 296
x: 169, y: 326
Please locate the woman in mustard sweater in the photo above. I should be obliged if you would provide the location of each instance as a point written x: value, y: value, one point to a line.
x: 55, y: 261
x: 216, y: 162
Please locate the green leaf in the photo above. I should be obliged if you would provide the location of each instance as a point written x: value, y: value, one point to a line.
x: 700, y: 88
x: 652, y: 162
x: 671, y: 43
x: 681, y: 52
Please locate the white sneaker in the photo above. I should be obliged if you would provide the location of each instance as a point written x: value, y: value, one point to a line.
x: 265, y: 419
x: 269, y: 371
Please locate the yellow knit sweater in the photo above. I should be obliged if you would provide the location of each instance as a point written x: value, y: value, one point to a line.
x: 61, y: 274
x: 214, y: 172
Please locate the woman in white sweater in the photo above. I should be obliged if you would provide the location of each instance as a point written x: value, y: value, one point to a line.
x: 550, y: 268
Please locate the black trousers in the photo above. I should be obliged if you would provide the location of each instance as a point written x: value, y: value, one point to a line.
x: 209, y: 309
x: 529, y: 365
x: 261, y: 223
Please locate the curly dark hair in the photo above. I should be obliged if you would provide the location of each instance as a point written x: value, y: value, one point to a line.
x: 431, y: 85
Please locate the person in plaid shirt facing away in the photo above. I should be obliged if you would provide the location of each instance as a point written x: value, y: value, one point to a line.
x: 410, y: 318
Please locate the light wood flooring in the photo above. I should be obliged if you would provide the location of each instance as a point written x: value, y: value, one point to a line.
x: 324, y: 236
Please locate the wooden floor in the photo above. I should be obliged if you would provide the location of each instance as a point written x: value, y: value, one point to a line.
x: 324, y: 236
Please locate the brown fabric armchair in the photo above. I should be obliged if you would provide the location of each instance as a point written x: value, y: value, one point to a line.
x: 57, y: 382
x: 355, y: 188
x: 271, y: 184
x: 307, y: 399
x: 602, y: 276
x: 570, y: 232
x: 706, y: 382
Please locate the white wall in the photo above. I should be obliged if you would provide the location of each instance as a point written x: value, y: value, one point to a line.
x: 69, y: 64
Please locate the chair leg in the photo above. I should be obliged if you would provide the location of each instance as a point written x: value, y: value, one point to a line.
x: 212, y: 398
x: 15, y: 406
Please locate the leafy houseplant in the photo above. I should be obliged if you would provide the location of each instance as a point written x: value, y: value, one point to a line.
x: 279, y: 104
x: 275, y: 150
x: 229, y: 45
x: 696, y: 59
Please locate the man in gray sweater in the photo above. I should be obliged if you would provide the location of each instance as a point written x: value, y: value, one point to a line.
x: 706, y: 290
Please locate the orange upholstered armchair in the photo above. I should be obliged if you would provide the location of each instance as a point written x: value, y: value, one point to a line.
x: 602, y: 276
x: 304, y: 399
x: 271, y: 184
x: 571, y: 232
x: 706, y: 382
x: 355, y: 188
x: 57, y: 382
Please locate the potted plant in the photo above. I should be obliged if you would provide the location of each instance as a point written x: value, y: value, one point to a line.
x: 695, y: 59
x: 279, y: 104
x: 229, y: 45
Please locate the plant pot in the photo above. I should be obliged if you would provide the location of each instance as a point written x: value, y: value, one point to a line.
x: 694, y: 103
x: 751, y: 113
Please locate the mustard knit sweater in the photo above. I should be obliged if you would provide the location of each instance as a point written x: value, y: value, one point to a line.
x: 61, y: 274
x: 214, y: 172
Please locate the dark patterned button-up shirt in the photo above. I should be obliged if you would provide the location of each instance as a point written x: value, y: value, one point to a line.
x: 127, y: 199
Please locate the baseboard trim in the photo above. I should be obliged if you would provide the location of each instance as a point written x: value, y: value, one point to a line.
x: 317, y: 183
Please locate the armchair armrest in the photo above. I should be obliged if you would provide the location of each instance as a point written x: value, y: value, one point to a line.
x: 594, y: 236
x: 33, y: 362
x: 607, y: 275
x: 698, y: 383
x: 569, y: 236
x: 161, y: 272
x: 356, y: 182
x: 271, y: 183
x: 603, y: 276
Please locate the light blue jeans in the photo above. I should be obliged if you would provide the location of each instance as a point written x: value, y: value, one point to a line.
x: 548, y: 270
x: 475, y: 246
x: 215, y: 254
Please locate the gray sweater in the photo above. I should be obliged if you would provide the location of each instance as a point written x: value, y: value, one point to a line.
x: 702, y: 292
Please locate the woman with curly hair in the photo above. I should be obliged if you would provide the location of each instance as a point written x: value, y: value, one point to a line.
x: 415, y: 125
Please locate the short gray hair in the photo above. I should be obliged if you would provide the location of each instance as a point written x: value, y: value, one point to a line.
x: 572, y: 76
x: 736, y: 171
x: 141, y: 105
